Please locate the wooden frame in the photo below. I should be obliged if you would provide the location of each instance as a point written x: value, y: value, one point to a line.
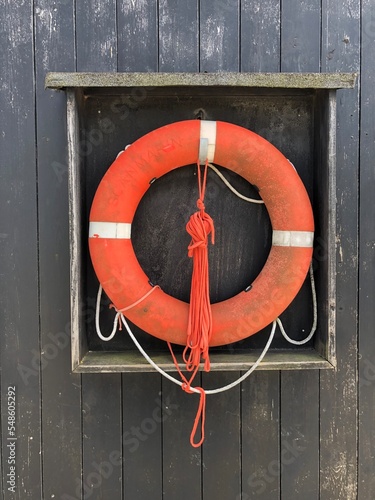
x: 323, y: 88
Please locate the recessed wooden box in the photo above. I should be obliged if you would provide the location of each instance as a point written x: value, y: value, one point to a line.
x: 295, y: 112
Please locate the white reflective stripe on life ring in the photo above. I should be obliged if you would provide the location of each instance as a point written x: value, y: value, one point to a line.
x: 207, y: 143
x: 113, y: 230
x: 302, y: 239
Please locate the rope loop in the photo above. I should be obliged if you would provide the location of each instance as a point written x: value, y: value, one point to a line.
x: 200, y: 416
x: 117, y: 323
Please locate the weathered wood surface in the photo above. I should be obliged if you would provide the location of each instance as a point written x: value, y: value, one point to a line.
x: 61, y: 408
x: 145, y: 409
x: 261, y: 445
x: 338, y: 390
x: 281, y: 435
x: 366, y: 356
x: 20, y: 327
x: 137, y: 35
x: 99, y: 361
x: 299, y: 395
x: 260, y: 35
x: 101, y: 397
x: 285, y: 80
x: 182, y: 464
x: 260, y: 393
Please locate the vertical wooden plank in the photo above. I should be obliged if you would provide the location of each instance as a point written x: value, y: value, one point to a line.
x: 260, y: 394
x: 178, y: 35
x: 61, y: 390
x: 144, y: 413
x: 182, y: 463
x: 300, y: 40
x: 102, y: 443
x: 75, y: 189
x: 221, y: 453
x: 19, y: 341
x: 137, y: 35
x: 338, y: 392
x: 261, y: 437
x: 219, y: 35
x: 96, y: 42
x: 366, y: 470
x: 219, y: 51
x: 299, y: 397
x: 260, y: 35
x: 96, y: 35
x: 299, y: 435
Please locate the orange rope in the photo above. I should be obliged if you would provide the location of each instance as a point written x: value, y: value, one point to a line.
x: 201, y: 412
x: 199, y: 330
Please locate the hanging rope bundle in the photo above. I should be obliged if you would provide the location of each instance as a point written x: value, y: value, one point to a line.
x: 199, y: 331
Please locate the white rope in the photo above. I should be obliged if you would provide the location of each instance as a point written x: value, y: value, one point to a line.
x: 226, y: 182
x: 178, y: 382
x: 154, y: 365
x: 315, y: 315
x: 266, y: 347
x: 97, y: 316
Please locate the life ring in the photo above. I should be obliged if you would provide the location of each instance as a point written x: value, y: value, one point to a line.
x: 168, y: 148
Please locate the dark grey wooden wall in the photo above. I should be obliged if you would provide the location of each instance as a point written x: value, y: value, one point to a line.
x: 281, y: 435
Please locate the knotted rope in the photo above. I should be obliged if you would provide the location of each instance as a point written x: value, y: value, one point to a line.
x: 199, y: 330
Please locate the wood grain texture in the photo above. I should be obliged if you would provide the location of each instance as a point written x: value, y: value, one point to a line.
x: 260, y: 393
x: 101, y: 432
x: 219, y: 35
x: 145, y: 409
x: 137, y: 29
x: 182, y: 464
x: 260, y: 35
x: 178, y: 35
x: 338, y: 391
x: 299, y: 435
x: 61, y: 391
x: 96, y: 35
x: 300, y: 51
x: 221, y: 451
x: 260, y: 422
x: 19, y: 296
x: 366, y: 462
x: 300, y: 40
x: 96, y: 42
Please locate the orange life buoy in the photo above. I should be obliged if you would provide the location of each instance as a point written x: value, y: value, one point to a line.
x: 173, y: 146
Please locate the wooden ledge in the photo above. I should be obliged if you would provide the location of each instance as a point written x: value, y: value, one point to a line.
x: 259, y: 80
